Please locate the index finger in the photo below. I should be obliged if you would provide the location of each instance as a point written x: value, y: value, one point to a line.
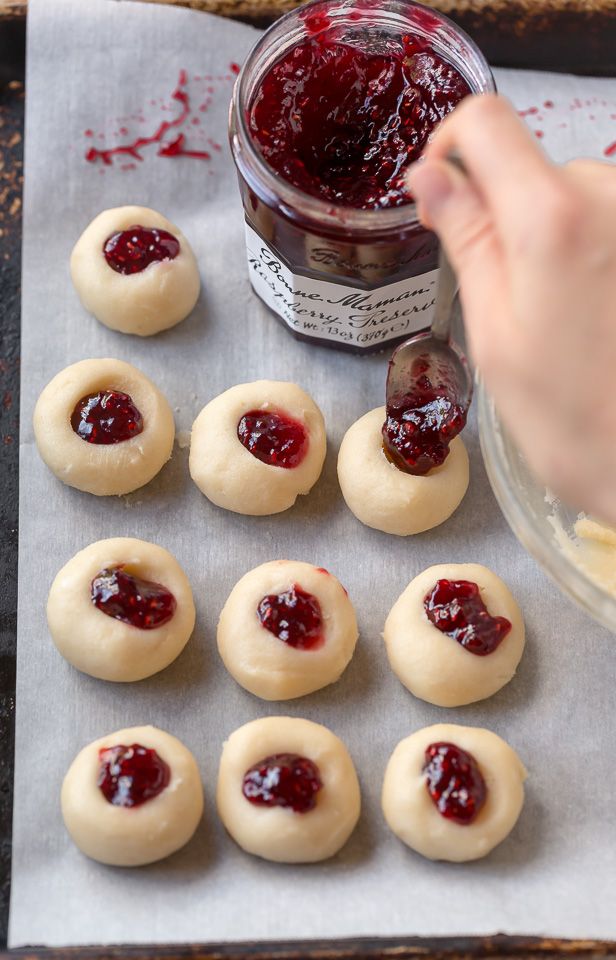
x: 500, y: 157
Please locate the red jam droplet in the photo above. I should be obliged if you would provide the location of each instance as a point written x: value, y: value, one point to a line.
x: 294, y: 617
x: 342, y: 122
x: 283, y: 780
x: 140, y: 603
x: 454, y: 782
x: 421, y: 423
x: 273, y: 438
x: 109, y: 416
x: 134, y: 249
x: 455, y: 607
x: 128, y: 776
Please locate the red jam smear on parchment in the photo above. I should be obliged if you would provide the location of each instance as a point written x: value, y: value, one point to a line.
x: 455, y: 607
x: 105, y: 417
x: 294, y: 617
x: 454, y: 782
x: 283, y: 780
x: 342, y: 121
x: 132, y: 250
x: 273, y: 438
x: 129, y: 776
x: 173, y: 145
x: 139, y: 603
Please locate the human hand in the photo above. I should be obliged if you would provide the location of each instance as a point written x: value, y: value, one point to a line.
x: 534, y: 246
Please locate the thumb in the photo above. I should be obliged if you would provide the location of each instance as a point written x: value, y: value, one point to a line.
x: 449, y: 204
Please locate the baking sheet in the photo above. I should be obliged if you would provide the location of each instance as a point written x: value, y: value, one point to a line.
x: 99, y: 67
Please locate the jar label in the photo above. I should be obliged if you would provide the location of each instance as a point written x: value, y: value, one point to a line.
x: 334, y: 311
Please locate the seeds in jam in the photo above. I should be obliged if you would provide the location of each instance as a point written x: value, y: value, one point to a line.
x: 132, y: 250
x: 421, y: 423
x: 106, y: 417
x: 455, y: 607
x: 294, y: 617
x: 283, y: 780
x: 454, y: 782
x: 273, y: 438
x: 125, y: 597
x: 129, y: 776
x: 342, y: 122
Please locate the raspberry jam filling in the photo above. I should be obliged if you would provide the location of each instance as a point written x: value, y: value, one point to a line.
x: 109, y: 416
x: 129, y: 776
x: 140, y: 603
x: 455, y: 607
x: 454, y: 782
x: 273, y: 438
x: 294, y: 617
x: 132, y: 250
x: 342, y: 120
x: 283, y: 780
x: 420, y: 424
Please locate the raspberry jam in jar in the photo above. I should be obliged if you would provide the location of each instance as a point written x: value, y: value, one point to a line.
x: 333, y: 104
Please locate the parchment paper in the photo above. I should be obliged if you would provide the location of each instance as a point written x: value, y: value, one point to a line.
x: 88, y: 65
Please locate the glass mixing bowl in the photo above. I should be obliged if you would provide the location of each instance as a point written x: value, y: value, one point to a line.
x: 535, y: 516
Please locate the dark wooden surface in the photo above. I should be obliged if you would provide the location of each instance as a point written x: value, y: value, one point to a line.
x: 576, y: 36
x: 11, y: 182
x: 11, y: 159
x: 570, y: 35
x: 447, y: 948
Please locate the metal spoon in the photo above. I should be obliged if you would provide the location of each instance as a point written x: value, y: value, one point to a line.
x: 433, y: 355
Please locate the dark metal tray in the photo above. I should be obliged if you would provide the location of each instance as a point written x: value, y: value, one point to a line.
x: 12, y: 99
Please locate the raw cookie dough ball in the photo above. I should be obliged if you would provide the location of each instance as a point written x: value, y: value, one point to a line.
x: 132, y: 797
x: 121, y: 609
x: 440, y: 667
x: 383, y: 497
x: 287, y: 790
x: 135, y: 271
x: 103, y: 427
x: 287, y: 629
x: 256, y: 447
x: 469, y: 774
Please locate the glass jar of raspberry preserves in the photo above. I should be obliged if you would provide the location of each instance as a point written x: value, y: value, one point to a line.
x: 332, y: 105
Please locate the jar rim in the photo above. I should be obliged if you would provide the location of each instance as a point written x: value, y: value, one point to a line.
x: 279, y: 193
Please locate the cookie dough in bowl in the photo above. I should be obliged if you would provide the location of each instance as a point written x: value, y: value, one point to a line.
x: 288, y: 628
x: 135, y: 271
x: 386, y: 498
x: 258, y: 446
x: 287, y: 790
x: 452, y: 792
x: 455, y: 635
x: 122, y: 609
x: 103, y: 427
x: 132, y: 797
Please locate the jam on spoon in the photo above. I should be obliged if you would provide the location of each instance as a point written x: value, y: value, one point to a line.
x: 421, y: 423
x: 429, y: 388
